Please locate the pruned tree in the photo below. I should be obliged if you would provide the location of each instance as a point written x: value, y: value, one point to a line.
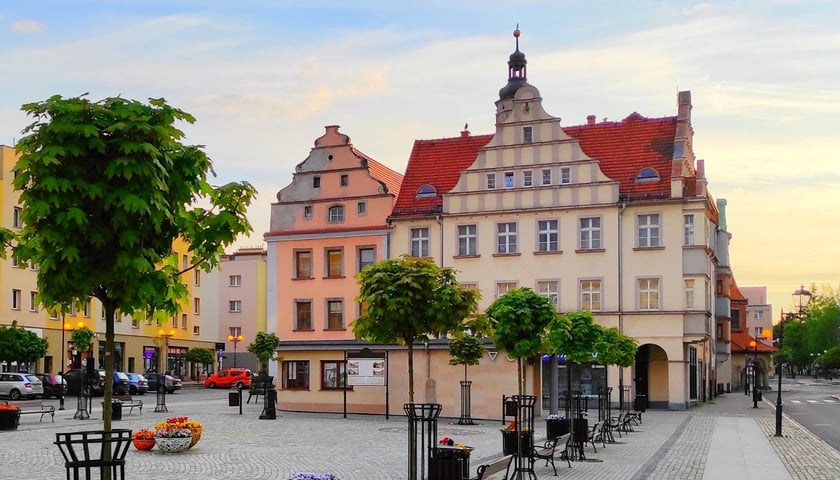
x: 520, y: 319
x: 106, y: 188
x: 264, y: 347
x: 199, y: 356
x: 408, y: 300
x: 21, y: 346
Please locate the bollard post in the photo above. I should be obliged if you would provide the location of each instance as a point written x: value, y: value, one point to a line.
x: 239, y: 388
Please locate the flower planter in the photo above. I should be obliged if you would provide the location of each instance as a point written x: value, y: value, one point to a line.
x: 509, y: 447
x: 173, y: 444
x: 142, y: 444
x: 556, y: 427
x: 195, y: 438
x: 9, y: 419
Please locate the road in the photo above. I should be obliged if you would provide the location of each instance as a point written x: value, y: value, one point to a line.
x: 814, y: 404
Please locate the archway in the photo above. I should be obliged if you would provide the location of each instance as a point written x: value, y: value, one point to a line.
x: 651, y: 377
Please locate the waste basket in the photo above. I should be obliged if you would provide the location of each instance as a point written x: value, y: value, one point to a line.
x: 556, y: 427
x: 116, y: 410
x: 450, y: 463
x: 640, y: 402
x: 233, y: 399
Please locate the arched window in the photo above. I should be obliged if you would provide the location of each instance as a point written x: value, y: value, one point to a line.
x: 426, y: 191
x: 647, y: 174
x: 336, y: 214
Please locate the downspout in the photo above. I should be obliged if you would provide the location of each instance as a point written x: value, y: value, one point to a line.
x: 622, y: 207
x: 439, y: 220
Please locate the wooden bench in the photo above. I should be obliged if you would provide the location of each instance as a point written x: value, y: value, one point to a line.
x: 131, y: 403
x: 549, y: 449
x: 484, y: 471
x: 32, y: 407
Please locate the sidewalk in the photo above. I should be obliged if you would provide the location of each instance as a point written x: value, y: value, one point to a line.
x: 723, y: 439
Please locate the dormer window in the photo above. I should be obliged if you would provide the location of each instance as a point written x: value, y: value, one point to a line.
x: 647, y: 174
x: 426, y: 191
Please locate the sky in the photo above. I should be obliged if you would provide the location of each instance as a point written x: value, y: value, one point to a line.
x: 263, y: 77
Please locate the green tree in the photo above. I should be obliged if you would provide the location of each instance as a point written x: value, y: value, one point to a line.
x: 19, y: 345
x: 264, y: 347
x: 615, y: 348
x: 106, y: 188
x: 199, y: 356
x: 520, y: 320
x: 831, y: 359
x: 408, y: 300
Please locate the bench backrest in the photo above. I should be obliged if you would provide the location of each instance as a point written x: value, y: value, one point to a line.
x: 499, y: 465
x: 26, y: 403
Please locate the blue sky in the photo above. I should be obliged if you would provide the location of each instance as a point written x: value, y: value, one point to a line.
x: 264, y: 77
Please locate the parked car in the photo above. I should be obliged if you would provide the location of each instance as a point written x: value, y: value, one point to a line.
x: 229, y: 378
x: 95, y: 383
x: 54, y: 385
x: 138, y: 385
x: 172, y: 383
x: 17, y: 385
x: 122, y: 386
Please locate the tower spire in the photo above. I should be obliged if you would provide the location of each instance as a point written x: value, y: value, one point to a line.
x: 517, y: 71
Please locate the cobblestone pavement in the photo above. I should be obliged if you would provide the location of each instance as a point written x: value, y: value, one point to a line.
x: 668, y: 445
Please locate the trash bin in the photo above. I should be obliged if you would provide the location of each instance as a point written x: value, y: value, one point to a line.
x: 233, y: 399
x: 450, y: 463
x: 556, y: 427
x: 116, y: 410
x: 758, y: 394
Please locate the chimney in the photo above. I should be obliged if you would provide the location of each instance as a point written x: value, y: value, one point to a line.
x: 590, y: 119
x: 465, y: 132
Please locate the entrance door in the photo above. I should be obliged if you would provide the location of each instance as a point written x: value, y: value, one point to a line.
x: 642, y: 376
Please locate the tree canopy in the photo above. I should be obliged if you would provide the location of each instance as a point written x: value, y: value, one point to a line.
x: 406, y: 300
x: 106, y: 188
x: 199, y: 356
x: 581, y: 340
x: 264, y: 347
x: 19, y: 345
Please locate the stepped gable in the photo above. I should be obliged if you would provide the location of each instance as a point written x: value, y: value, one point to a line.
x: 624, y: 148
x: 437, y: 163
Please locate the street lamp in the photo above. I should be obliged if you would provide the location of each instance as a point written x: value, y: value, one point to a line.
x: 801, y: 298
x: 161, y: 390
x: 65, y: 328
x: 235, y: 339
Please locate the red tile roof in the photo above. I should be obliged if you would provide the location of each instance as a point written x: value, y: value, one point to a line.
x: 391, y: 178
x: 622, y: 148
x: 735, y: 292
x: 741, y: 343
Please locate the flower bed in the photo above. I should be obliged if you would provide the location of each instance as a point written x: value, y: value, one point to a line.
x: 183, y: 423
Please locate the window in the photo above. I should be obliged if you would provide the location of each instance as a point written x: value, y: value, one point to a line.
x: 332, y: 374
x: 303, y: 264
x: 335, y: 314
x: 467, y: 238
x: 689, y: 293
x: 419, y: 242
x: 235, y: 280
x: 316, y: 182
x: 15, y: 299
x: 565, y: 175
x: 491, y: 181
x: 87, y: 309
x: 197, y: 277
x: 759, y: 315
x: 426, y: 191
x: 508, y: 179
x: 307, y: 212
x: 688, y: 229
x: 647, y: 174
x: 185, y: 262
x: 296, y: 375
x: 344, y: 180
x: 528, y: 178
x: 174, y: 321
x: 548, y: 239
x: 17, y: 220
x: 15, y: 262
x: 235, y: 306
x: 506, y: 238
x: 527, y: 134
x: 590, y: 295
x: 648, y: 230
x: 758, y: 333
x: 183, y: 321
x: 361, y: 208
x: 33, y: 301
x: 135, y: 323
x: 336, y: 214
x: 550, y: 290
x: 335, y: 262
x: 366, y: 256
x: 648, y: 294
x: 504, y: 287
x: 196, y: 330
x: 590, y: 233
x: 546, y: 176
x: 735, y: 319
x: 196, y: 306
x: 303, y: 315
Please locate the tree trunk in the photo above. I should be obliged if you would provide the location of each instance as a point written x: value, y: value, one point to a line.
x: 520, y: 375
x: 110, y: 309
x: 410, y: 372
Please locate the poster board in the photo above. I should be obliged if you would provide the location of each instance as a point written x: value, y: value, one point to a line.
x: 366, y: 371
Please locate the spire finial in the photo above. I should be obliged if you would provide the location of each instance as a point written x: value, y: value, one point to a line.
x: 516, y: 36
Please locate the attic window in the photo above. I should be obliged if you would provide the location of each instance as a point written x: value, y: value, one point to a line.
x: 647, y: 174
x: 426, y: 191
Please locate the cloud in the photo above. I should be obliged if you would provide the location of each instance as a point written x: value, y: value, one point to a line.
x: 27, y: 26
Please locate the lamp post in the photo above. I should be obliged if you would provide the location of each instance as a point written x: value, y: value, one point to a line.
x: 65, y: 327
x: 161, y: 390
x: 801, y: 298
x: 235, y: 339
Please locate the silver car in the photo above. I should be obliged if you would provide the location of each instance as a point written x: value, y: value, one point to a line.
x: 17, y: 385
